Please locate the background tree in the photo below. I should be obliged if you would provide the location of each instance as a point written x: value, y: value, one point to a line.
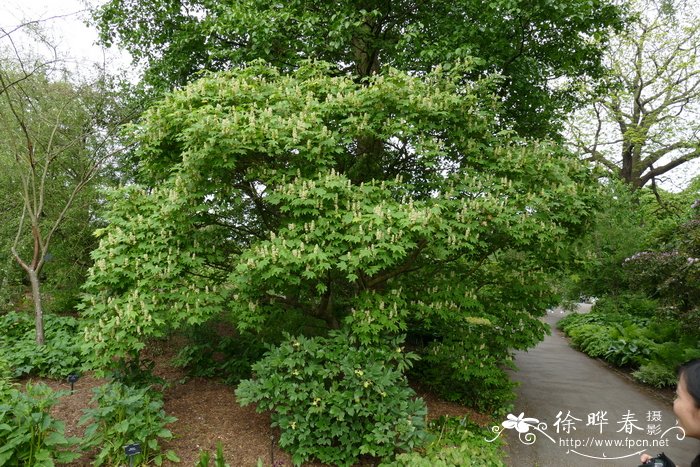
x: 646, y: 123
x: 529, y: 43
x: 55, y: 139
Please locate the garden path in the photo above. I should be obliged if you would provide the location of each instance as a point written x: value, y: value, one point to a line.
x: 593, y: 415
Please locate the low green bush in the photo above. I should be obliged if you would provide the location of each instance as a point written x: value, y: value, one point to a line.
x: 619, y: 339
x: 335, y: 400
x: 5, y: 378
x: 592, y: 339
x: 630, y: 346
x: 467, y: 371
x: 656, y: 348
x: 656, y: 374
x: 29, y: 435
x: 124, y: 415
x: 60, y: 356
x: 673, y: 354
x: 660, y: 370
x: 136, y: 371
x: 227, y: 357
x: 456, y: 442
x: 628, y: 303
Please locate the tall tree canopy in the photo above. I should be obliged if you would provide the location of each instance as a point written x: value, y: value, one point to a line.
x: 646, y: 123
x: 530, y: 43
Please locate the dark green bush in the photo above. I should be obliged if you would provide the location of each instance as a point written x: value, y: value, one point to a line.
x: 125, y: 415
x: 335, y: 400
x: 592, y: 339
x: 60, y: 356
x: 630, y: 346
x: 29, y: 435
x: 656, y: 348
x: 5, y: 377
x: 456, y: 442
x: 628, y: 303
x: 656, y: 374
x: 136, y: 371
x: 467, y: 371
x: 227, y: 357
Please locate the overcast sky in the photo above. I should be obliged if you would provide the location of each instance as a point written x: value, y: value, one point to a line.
x: 64, y: 22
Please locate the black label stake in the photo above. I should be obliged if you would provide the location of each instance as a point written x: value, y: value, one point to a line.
x: 131, y: 450
x: 72, y: 379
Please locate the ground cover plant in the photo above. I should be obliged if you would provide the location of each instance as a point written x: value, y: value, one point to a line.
x: 58, y: 358
x: 229, y: 356
x: 651, y: 347
x: 125, y: 415
x: 29, y: 435
x: 454, y: 442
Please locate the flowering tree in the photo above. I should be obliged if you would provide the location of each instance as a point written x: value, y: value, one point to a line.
x: 266, y: 205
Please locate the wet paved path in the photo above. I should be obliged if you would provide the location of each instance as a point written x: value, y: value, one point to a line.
x: 556, y: 378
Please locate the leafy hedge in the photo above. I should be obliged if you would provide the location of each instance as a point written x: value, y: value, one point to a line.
x: 60, y: 356
x: 456, y: 442
x: 652, y: 347
x: 335, y: 400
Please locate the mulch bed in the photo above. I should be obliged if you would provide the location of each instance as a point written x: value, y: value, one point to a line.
x: 207, y: 413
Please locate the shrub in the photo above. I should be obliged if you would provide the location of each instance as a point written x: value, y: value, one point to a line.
x: 227, y: 357
x: 136, y: 372
x: 457, y: 442
x: 29, y: 435
x: 629, y: 303
x: 5, y: 378
x: 656, y: 374
x: 467, y: 371
x: 615, y: 337
x: 630, y: 346
x: 334, y: 399
x: 674, y: 354
x: 59, y: 357
x: 126, y: 415
x: 592, y: 339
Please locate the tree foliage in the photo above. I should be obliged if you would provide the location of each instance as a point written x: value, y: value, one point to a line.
x: 263, y: 203
x: 645, y: 124
x: 529, y: 42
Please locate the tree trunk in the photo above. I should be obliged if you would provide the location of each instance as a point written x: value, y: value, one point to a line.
x: 38, y: 311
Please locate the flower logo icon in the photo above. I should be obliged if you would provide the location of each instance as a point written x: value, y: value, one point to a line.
x: 520, y: 423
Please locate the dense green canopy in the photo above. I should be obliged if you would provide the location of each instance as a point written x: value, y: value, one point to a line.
x: 531, y: 43
x: 264, y: 205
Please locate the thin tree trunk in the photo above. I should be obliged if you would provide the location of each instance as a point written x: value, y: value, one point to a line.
x: 38, y: 310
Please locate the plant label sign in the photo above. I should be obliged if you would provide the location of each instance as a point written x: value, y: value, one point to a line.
x: 72, y: 379
x: 132, y: 449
